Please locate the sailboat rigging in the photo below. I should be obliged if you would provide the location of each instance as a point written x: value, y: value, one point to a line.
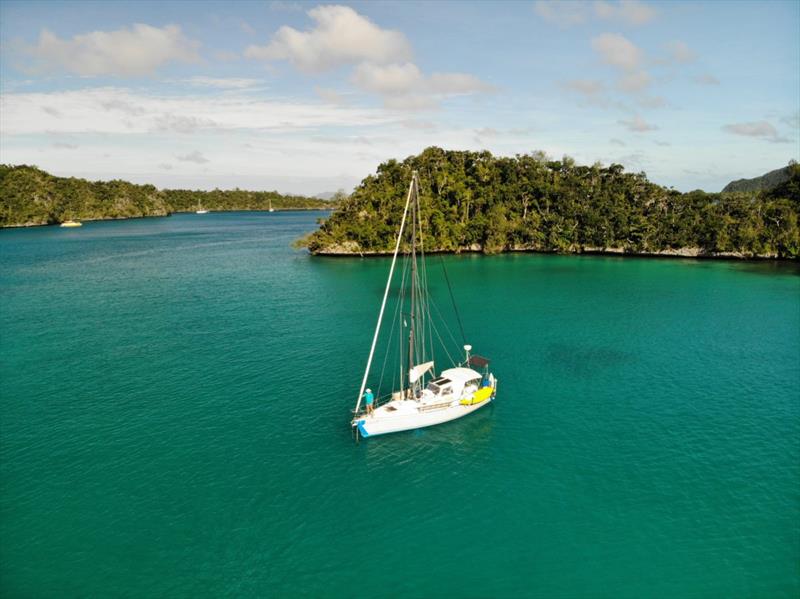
x: 424, y: 398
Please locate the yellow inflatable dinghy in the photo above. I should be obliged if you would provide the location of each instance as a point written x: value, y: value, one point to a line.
x: 480, y: 395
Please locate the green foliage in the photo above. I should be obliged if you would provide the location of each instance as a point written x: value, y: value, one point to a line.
x: 475, y: 201
x: 30, y: 196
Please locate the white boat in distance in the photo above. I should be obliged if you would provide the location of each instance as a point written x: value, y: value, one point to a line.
x: 200, y: 209
x: 423, y: 398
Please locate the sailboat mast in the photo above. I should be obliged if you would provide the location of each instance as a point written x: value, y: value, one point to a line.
x: 385, y: 294
x: 411, y: 360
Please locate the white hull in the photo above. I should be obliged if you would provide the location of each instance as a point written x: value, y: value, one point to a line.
x: 405, y: 414
x: 201, y: 212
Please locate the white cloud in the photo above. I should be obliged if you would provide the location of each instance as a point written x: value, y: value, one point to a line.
x: 679, y: 52
x: 381, y: 59
x: 389, y: 79
x: 617, y: 51
x: 136, y: 51
x: 196, y: 157
x: 631, y: 12
x: 119, y: 110
x: 638, y: 125
x: 222, y: 82
x: 761, y: 129
x: 403, y: 86
x: 181, y: 123
x: 341, y: 36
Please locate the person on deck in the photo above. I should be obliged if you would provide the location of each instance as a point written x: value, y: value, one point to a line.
x: 369, y: 399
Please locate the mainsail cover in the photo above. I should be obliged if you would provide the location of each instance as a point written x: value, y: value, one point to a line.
x: 418, y: 371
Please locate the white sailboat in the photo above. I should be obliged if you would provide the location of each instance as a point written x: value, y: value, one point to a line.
x: 424, y: 398
x: 271, y: 209
x: 200, y: 209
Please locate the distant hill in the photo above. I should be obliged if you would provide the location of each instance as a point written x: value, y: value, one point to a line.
x: 325, y: 195
x: 763, y: 183
x: 31, y: 196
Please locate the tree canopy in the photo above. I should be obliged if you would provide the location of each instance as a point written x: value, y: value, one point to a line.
x: 31, y: 196
x: 479, y: 202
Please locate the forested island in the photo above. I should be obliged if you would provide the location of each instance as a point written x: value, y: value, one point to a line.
x: 474, y: 201
x: 30, y: 196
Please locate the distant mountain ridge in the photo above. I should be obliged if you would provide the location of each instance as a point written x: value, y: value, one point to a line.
x: 765, y: 182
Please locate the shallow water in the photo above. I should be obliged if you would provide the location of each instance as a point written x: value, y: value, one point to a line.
x: 175, y: 398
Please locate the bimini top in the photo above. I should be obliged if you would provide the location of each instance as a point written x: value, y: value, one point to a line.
x: 460, y: 376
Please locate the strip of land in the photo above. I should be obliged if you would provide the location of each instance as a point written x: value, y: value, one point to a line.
x: 476, y: 202
x: 31, y: 197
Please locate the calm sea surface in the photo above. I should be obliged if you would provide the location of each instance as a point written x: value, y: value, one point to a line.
x: 175, y: 396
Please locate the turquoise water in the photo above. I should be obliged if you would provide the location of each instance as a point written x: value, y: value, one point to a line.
x: 175, y: 399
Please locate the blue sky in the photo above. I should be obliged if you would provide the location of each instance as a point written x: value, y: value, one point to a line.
x: 308, y: 97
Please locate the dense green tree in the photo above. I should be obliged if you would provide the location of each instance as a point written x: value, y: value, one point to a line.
x: 30, y: 196
x: 475, y: 201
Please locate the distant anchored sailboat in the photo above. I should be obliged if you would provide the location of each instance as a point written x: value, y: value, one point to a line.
x: 424, y: 398
x: 200, y: 209
x: 71, y: 223
x: 271, y: 209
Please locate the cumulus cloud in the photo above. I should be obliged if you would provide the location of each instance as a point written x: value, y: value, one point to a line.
x: 403, y: 86
x: 381, y: 59
x: 389, y: 79
x: 135, y: 51
x: 575, y: 12
x: 195, y: 157
x: 341, y: 36
x: 638, y: 125
x: 761, y: 129
x: 617, y: 51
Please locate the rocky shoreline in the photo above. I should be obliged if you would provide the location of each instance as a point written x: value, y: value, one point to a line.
x: 350, y: 249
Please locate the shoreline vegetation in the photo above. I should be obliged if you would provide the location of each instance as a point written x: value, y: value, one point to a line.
x: 31, y: 197
x: 476, y: 202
